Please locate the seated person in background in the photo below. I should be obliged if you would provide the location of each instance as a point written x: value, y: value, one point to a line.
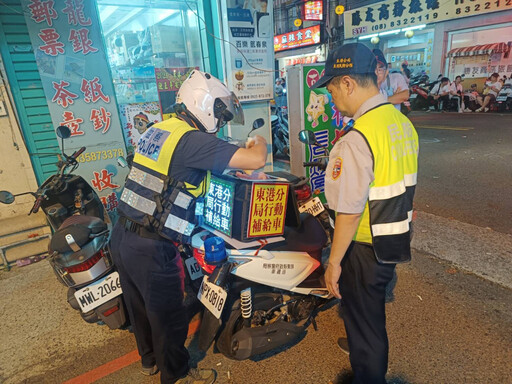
x: 470, y: 99
x: 456, y: 93
x: 491, y: 90
x: 392, y: 85
x: 440, y: 93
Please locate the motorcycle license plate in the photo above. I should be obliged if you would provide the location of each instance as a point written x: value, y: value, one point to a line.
x: 501, y: 98
x: 313, y: 207
x: 99, y: 293
x: 212, y: 296
x: 194, y: 271
x: 414, y: 95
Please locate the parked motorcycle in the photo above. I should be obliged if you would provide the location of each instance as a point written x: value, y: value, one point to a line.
x: 78, y: 250
x: 280, y: 132
x: 261, y: 299
x: 504, y: 98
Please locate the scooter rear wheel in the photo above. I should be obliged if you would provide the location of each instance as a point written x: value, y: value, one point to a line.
x: 224, y: 343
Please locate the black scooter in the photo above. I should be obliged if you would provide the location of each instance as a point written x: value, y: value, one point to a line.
x: 78, y: 250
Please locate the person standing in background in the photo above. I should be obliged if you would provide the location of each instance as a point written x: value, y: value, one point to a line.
x: 392, y: 85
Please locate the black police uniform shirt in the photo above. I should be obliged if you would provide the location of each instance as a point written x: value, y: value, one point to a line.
x: 198, y: 152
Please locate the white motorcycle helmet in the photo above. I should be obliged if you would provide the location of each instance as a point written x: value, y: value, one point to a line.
x: 209, y: 101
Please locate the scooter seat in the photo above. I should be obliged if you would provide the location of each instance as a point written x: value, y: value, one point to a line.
x: 78, y: 229
x: 309, y: 237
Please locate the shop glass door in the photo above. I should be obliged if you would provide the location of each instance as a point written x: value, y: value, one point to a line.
x: 151, y: 48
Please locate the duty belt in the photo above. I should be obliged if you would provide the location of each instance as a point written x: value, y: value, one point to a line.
x: 139, y: 229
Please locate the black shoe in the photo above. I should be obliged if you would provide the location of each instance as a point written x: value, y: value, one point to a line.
x: 343, y: 344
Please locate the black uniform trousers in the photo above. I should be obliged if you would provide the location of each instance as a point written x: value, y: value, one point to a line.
x: 152, y: 279
x: 363, y: 284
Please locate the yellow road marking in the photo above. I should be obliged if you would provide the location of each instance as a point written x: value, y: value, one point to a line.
x: 445, y: 128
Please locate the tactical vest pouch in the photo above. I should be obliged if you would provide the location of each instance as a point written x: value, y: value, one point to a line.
x: 178, y: 219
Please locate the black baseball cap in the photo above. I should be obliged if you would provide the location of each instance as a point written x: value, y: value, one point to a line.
x: 348, y: 59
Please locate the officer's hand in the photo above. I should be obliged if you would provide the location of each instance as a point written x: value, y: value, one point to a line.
x: 332, y: 278
x: 256, y: 139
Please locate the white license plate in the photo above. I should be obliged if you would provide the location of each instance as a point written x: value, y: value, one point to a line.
x: 212, y: 296
x: 414, y: 95
x: 313, y: 206
x: 99, y: 293
x: 501, y: 98
x: 193, y: 268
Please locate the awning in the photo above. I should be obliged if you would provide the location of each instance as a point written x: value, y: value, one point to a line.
x: 485, y: 49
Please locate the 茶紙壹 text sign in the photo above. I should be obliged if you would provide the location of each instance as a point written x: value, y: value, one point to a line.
x: 75, y: 74
x: 268, y: 209
x: 396, y: 14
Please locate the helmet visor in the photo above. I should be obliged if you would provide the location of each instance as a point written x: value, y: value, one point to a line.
x: 231, y: 110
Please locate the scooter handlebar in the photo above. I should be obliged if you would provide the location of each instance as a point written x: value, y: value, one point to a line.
x: 37, y: 205
x: 77, y: 153
x: 319, y: 164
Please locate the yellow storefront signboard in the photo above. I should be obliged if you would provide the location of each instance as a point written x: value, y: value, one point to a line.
x: 397, y: 14
x: 268, y: 209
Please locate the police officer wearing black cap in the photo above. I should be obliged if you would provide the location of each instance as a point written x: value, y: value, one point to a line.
x: 369, y: 182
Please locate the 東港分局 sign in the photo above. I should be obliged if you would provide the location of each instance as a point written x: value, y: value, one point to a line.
x: 396, y: 14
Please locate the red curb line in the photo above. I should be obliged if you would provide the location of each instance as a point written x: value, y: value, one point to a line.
x: 118, y: 364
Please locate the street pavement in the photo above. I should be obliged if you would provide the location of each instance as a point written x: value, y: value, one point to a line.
x: 451, y: 321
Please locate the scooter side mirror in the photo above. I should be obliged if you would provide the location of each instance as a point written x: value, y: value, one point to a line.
x: 63, y: 132
x: 308, y: 137
x: 6, y: 197
x: 258, y: 123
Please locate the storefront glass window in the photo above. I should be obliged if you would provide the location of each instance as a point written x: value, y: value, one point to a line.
x: 416, y: 51
x: 151, y: 48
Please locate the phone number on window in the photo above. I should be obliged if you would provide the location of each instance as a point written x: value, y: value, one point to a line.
x: 406, y: 21
x: 100, y: 155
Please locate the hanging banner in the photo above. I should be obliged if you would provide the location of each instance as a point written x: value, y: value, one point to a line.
x: 297, y: 39
x: 70, y: 54
x: 251, y: 59
x: 168, y: 81
x: 396, y: 14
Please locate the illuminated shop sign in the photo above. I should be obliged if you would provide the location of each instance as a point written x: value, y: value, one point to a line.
x: 297, y: 39
x: 218, y: 207
x: 393, y: 14
x: 313, y: 10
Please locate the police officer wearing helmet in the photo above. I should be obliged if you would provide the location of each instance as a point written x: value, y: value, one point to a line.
x: 161, y: 203
x: 370, y: 182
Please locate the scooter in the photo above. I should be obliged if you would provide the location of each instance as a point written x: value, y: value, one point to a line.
x: 78, y: 250
x: 262, y: 294
x: 280, y: 134
x: 504, y: 98
x: 260, y: 299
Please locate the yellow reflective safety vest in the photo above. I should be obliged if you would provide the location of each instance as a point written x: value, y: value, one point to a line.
x: 150, y: 197
x: 385, y: 222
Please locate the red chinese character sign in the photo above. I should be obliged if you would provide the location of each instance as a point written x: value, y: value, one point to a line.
x: 268, y: 209
x: 75, y: 73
